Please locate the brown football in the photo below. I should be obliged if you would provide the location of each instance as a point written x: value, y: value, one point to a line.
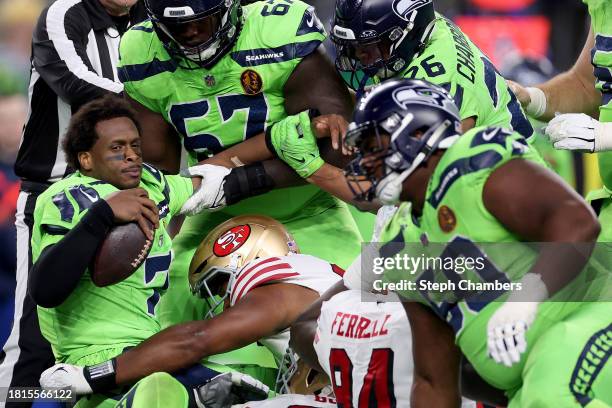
x: 123, y: 250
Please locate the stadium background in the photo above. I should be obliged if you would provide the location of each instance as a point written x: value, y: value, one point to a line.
x: 528, y: 40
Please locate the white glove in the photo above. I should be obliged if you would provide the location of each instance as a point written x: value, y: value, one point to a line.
x: 507, y: 327
x: 577, y: 131
x: 66, y: 376
x: 383, y: 215
x: 210, y: 196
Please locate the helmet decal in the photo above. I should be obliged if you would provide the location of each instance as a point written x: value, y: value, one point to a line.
x: 423, y: 94
x: 231, y: 240
x: 404, y: 7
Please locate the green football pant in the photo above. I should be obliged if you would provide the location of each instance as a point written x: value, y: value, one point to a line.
x: 158, y: 390
x: 569, y: 365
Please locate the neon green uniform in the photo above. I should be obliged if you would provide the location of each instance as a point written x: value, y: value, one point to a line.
x: 237, y: 98
x: 103, y: 321
x: 450, y: 59
x: 553, y: 370
x: 95, y: 324
x: 601, y: 58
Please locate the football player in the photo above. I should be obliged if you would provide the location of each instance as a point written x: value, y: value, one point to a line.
x: 211, y: 74
x: 87, y: 324
x: 464, y: 193
x: 378, y: 40
x: 251, y: 266
x: 573, y: 91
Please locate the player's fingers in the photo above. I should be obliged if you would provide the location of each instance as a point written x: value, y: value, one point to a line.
x: 492, y: 348
x: 521, y: 94
x: 335, y: 136
x: 140, y: 192
x: 500, y: 344
x: 147, y: 202
x: 152, y: 216
x: 144, y: 227
x: 513, y: 353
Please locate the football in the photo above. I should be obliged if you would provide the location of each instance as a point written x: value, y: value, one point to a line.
x: 123, y: 250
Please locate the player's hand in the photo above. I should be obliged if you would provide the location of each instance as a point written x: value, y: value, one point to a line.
x: 521, y: 93
x: 134, y: 205
x: 294, y: 142
x: 66, y: 376
x: 231, y: 388
x: 247, y: 388
x: 210, y: 195
x: 580, y: 132
x: 332, y: 126
x: 506, y: 331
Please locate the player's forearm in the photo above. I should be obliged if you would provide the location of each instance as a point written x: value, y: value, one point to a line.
x: 174, y: 348
x: 569, y: 234
x: 332, y: 180
x: 573, y: 91
x: 584, y: 97
x: 250, y: 151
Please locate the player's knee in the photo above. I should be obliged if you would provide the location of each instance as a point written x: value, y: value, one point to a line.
x: 157, y: 390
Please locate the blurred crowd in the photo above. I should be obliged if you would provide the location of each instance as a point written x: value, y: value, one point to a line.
x: 528, y: 40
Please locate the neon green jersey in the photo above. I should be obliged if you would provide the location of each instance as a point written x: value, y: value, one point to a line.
x: 601, y: 54
x: 238, y: 97
x: 601, y: 58
x: 93, y: 319
x: 455, y: 224
x: 451, y: 60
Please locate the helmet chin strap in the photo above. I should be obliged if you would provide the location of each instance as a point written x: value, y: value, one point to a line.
x: 389, y: 189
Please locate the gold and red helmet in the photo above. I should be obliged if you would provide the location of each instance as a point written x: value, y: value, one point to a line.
x: 229, y: 247
x: 296, y: 377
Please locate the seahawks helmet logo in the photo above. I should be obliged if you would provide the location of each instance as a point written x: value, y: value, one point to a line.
x: 424, y: 95
x: 404, y: 7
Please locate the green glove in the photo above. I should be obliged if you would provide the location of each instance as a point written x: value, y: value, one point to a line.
x: 293, y: 141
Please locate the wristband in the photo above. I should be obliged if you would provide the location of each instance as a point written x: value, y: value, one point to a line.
x: 101, y: 377
x: 603, y: 136
x: 537, y: 104
x: 246, y: 181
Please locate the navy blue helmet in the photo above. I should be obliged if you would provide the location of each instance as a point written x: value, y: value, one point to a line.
x: 179, y: 24
x: 384, y: 34
x: 419, y: 118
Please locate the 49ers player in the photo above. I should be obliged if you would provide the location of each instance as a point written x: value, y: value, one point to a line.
x: 252, y: 265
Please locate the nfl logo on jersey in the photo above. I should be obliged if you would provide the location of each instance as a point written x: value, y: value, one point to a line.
x: 209, y: 80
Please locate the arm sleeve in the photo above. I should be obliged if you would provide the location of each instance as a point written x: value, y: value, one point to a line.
x: 60, y: 57
x: 59, y: 268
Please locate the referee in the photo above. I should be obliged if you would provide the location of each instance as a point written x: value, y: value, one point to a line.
x: 74, y: 53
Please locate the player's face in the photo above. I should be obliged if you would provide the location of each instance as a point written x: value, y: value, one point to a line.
x: 374, y: 150
x: 368, y: 54
x: 115, y: 157
x: 194, y: 33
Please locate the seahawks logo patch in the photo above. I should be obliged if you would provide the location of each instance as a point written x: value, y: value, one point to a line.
x: 420, y: 94
x: 404, y: 7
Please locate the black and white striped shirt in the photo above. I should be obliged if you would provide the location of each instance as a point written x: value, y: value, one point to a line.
x: 74, y: 54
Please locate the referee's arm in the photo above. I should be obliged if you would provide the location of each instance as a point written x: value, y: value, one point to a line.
x: 59, y: 56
